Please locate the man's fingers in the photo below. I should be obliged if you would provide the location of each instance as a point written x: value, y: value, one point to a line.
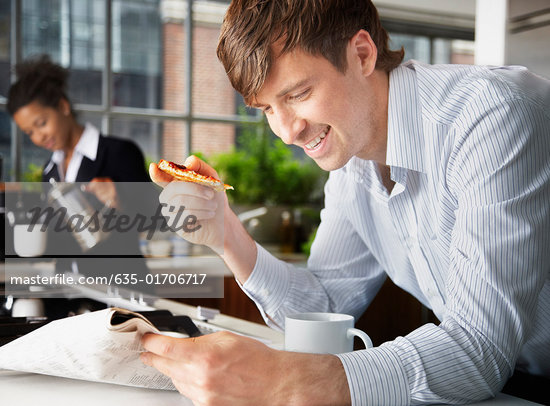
x: 169, y: 367
x: 159, y: 177
x: 169, y: 347
x: 190, y: 202
x: 196, y: 164
x: 174, y: 189
x: 182, y: 374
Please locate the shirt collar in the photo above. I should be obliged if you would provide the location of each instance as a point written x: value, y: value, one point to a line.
x: 86, y: 146
x: 405, y: 144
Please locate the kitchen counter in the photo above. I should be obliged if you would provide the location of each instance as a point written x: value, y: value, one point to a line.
x: 20, y: 388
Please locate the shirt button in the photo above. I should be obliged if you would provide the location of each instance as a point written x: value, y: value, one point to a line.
x: 264, y: 292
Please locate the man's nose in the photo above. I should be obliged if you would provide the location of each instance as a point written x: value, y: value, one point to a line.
x: 288, y: 125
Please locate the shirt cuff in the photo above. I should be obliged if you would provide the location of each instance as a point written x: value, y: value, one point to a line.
x: 268, y: 284
x: 376, y: 377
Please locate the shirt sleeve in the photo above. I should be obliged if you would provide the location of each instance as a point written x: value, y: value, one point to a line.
x: 341, y: 276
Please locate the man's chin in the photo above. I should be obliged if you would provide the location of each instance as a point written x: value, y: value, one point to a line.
x: 329, y: 165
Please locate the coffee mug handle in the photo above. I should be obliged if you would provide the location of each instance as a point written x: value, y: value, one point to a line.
x: 361, y: 334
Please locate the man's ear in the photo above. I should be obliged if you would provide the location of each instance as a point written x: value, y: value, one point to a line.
x: 363, y: 47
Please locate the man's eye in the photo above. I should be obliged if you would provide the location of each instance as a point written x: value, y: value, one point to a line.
x: 300, y: 96
x: 266, y: 109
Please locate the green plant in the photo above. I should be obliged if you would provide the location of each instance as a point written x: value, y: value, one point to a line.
x: 148, y: 161
x: 264, y: 170
x: 306, y: 246
x: 33, y: 173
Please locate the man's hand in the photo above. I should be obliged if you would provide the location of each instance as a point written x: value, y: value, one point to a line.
x: 220, y: 228
x: 195, y: 210
x: 228, y: 369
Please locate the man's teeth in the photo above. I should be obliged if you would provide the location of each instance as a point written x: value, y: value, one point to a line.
x: 316, y: 141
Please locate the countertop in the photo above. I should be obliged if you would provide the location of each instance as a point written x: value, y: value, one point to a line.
x: 19, y: 388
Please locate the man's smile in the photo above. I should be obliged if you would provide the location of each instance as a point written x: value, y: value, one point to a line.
x: 316, y: 142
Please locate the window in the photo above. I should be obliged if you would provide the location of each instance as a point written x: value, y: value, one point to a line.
x: 137, y: 54
x: 430, y: 43
x: 140, y: 70
x: 131, y: 78
x: 5, y: 27
x: 433, y: 50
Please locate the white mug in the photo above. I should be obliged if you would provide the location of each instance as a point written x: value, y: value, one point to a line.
x: 32, y: 307
x: 29, y: 243
x: 322, y: 333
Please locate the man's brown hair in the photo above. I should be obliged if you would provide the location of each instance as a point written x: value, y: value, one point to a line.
x: 319, y: 27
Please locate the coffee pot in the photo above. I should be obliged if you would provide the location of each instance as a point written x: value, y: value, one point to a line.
x: 71, y: 200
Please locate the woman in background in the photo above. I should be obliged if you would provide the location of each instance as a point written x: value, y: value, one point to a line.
x: 40, y: 107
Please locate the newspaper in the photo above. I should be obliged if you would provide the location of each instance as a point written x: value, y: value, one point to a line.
x: 91, y: 346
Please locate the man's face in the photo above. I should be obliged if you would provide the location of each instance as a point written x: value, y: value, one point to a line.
x: 331, y: 115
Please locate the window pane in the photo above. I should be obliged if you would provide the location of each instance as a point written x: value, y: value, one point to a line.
x: 42, y: 30
x: 72, y: 33
x: 156, y: 138
x: 92, y: 118
x: 87, y: 50
x: 5, y: 142
x: 441, y: 50
x: 136, y: 54
x: 416, y: 47
x: 4, y: 48
x: 85, y: 86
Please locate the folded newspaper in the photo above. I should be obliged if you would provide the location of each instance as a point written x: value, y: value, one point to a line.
x: 92, y: 346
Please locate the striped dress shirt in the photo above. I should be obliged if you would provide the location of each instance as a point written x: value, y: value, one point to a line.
x: 465, y: 229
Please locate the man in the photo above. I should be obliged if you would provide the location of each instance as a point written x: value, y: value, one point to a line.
x: 439, y: 179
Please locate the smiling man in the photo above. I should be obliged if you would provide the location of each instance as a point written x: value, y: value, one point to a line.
x: 439, y: 179
x: 306, y: 113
